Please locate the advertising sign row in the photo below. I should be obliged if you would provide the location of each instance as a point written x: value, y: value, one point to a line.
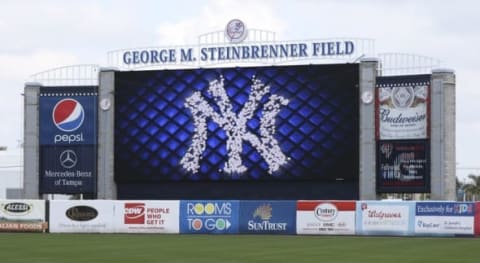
x: 246, y: 217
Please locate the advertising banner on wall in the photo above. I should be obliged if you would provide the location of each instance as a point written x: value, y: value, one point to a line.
x: 82, y: 216
x: 147, y: 216
x: 22, y: 216
x: 403, y: 166
x: 385, y: 218
x: 326, y: 217
x: 444, y: 218
x: 477, y: 218
x: 68, y: 138
x: 267, y: 217
x: 209, y: 216
x: 403, y: 107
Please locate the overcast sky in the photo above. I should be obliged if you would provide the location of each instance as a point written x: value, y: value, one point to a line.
x: 40, y: 35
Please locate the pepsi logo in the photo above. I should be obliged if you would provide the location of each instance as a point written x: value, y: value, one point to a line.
x: 68, y: 115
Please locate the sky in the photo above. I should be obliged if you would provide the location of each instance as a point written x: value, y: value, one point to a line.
x: 40, y: 35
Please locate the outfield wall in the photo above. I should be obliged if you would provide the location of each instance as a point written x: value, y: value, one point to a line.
x: 284, y: 217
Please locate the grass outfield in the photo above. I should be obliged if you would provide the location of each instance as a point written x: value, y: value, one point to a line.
x: 92, y: 248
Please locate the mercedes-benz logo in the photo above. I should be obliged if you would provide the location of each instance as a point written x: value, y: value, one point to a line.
x: 68, y: 159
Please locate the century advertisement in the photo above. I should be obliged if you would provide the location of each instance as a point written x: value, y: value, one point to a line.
x: 68, y: 139
x: 209, y: 216
x: 147, y: 216
x: 267, y: 217
x: 444, y: 218
x: 403, y: 107
x: 385, y: 218
x: 403, y: 166
x: 22, y: 216
x: 326, y: 217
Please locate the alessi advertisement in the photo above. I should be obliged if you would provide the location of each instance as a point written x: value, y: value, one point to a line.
x: 22, y: 216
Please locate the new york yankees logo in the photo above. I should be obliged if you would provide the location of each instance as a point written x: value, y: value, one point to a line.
x: 235, y: 127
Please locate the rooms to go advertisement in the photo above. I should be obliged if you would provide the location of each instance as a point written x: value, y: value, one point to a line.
x: 209, y: 216
x: 326, y: 217
x: 385, y: 218
x: 444, y: 218
x: 82, y: 216
x: 147, y: 216
x: 22, y: 216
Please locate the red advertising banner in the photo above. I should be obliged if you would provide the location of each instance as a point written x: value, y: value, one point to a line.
x: 477, y: 219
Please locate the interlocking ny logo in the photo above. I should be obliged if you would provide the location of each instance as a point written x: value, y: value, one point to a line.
x: 235, y: 127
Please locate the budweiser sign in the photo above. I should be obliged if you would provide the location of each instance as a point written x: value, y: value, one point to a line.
x: 402, y: 111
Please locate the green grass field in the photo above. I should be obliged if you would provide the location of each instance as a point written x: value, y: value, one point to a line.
x: 90, y: 248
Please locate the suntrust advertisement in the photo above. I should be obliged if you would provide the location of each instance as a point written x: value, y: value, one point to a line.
x: 267, y: 217
x: 22, y: 216
x: 209, y: 216
x: 147, y: 216
x: 326, y: 217
x: 444, y: 218
x: 385, y: 218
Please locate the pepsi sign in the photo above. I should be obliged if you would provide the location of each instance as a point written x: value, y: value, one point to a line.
x: 67, y: 131
x: 68, y: 115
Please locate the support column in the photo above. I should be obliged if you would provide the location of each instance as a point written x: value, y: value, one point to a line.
x: 106, y: 185
x: 442, y: 135
x: 367, y: 171
x: 31, y: 148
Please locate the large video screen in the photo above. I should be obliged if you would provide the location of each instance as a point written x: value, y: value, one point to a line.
x: 237, y: 124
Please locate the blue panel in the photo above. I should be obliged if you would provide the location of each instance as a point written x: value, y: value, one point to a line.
x: 78, y: 105
x: 267, y: 217
x: 317, y: 131
x: 444, y: 209
x: 68, y: 139
x: 68, y: 169
x: 209, y: 216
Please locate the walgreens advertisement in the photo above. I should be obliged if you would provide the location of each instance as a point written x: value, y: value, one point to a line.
x: 326, y: 217
x: 385, y: 218
x: 444, y: 218
x: 147, y: 216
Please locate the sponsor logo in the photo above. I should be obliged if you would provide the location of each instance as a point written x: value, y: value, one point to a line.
x: 463, y: 208
x: 264, y: 213
x: 134, y: 213
x: 68, y: 115
x: 326, y: 212
x: 17, y: 208
x: 235, y: 126
x: 236, y: 31
x: 81, y: 213
x: 209, y: 216
x: 422, y: 224
x: 68, y: 159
